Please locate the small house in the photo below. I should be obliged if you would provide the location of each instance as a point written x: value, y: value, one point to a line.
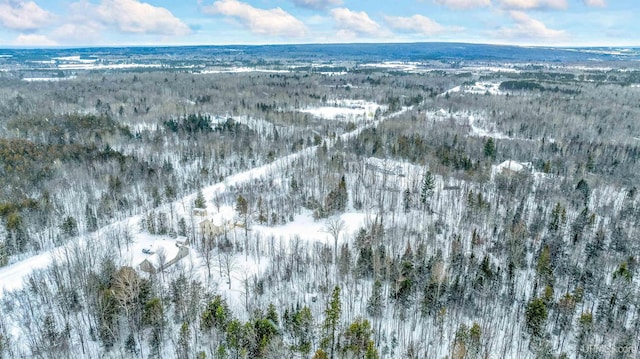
x: 210, y: 229
x: 511, y: 167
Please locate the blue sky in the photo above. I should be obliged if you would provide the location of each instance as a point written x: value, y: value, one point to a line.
x: 38, y: 23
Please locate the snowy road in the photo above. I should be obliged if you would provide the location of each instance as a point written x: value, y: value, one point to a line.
x: 12, y: 276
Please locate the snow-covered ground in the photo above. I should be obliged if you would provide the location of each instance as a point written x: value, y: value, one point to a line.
x: 156, y: 245
x: 395, y: 65
x: 306, y: 228
x: 97, y: 66
x: 47, y: 79
x: 346, y: 110
x: 478, y: 88
x: 504, y: 68
x: 75, y: 59
x: 233, y: 70
x: 479, y: 124
x: 12, y: 276
x: 487, y: 130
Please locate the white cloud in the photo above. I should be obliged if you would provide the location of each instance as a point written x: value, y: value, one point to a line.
x: 23, y: 15
x: 274, y: 22
x: 33, y: 40
x: 464, y: 4
x: 416, y: 24
x: 353, y: 23
x: 595, y: 3
x: 133, y: 16
x: 83, y: 33
x: 526, y: 27
x: 534, y: 4
x: 317, y: 4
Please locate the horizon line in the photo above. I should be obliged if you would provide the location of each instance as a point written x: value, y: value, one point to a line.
x: 75, y: 47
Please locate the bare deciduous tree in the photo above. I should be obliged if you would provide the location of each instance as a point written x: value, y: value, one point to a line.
x: 333, y: 226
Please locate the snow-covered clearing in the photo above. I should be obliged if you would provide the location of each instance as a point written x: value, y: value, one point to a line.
x: 478, y: 88
x: 395, y: 65
x: 487, y: 130
x: 76, y: 59
x: 235, y: 70
x: 306, y: 228
x: 47, y: 79
x: 346, y: 110
x: 156, y: 245
x: 96, y: 66
x: 513, y: 166
x: 510, y: 68
x: 479, y: 124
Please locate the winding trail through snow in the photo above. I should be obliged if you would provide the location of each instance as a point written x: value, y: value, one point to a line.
x: 12, y: 276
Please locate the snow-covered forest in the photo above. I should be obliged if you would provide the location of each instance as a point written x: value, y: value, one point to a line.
x: 364, y: 213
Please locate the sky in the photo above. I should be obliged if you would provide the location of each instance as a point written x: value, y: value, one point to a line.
x: 76, y: 23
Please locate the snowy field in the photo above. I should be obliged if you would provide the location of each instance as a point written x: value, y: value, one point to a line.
x: 346, y: 110
x: 478, y: 88
x: 236, y: 70
x: 48, y: 79
x: 396, y: 65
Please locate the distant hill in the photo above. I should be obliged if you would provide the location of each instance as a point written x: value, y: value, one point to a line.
x: 369, y: 52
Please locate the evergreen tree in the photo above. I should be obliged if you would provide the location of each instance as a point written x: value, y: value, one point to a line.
x: 272, y: 315
x: 69, y: 227
x: 459, y: 346
x: 320, y: 354
x: 183, y: 341
x: 169, y: 193
x: 4, y: 256
x: 404, y: 280
x: 200, y: 202
x: 558, y: 218
x: 543, y: 268
x: 375, y: 303
x: 108, y: 329
x: 536, y: 315
x: 490, y: 148
x: 406, y: 200
x: 265, y: 330
x: 130, y: 345
x: 583, y: 189
x: 585, y: 329
x: 216, y: 315
x: 475, y: 333
x: 50, y: 334
x: 91, y: 221
x: 300, y: 326
x: 372, y: 352
x: 428, y: 184
x: 242, y: 207
x: 344, y: 261
x: 337, y: 199
x: 331, y: 323
x: 155, y: 342
x: 153, y: 313
x: 357, y: 337
x: 182, y: 227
